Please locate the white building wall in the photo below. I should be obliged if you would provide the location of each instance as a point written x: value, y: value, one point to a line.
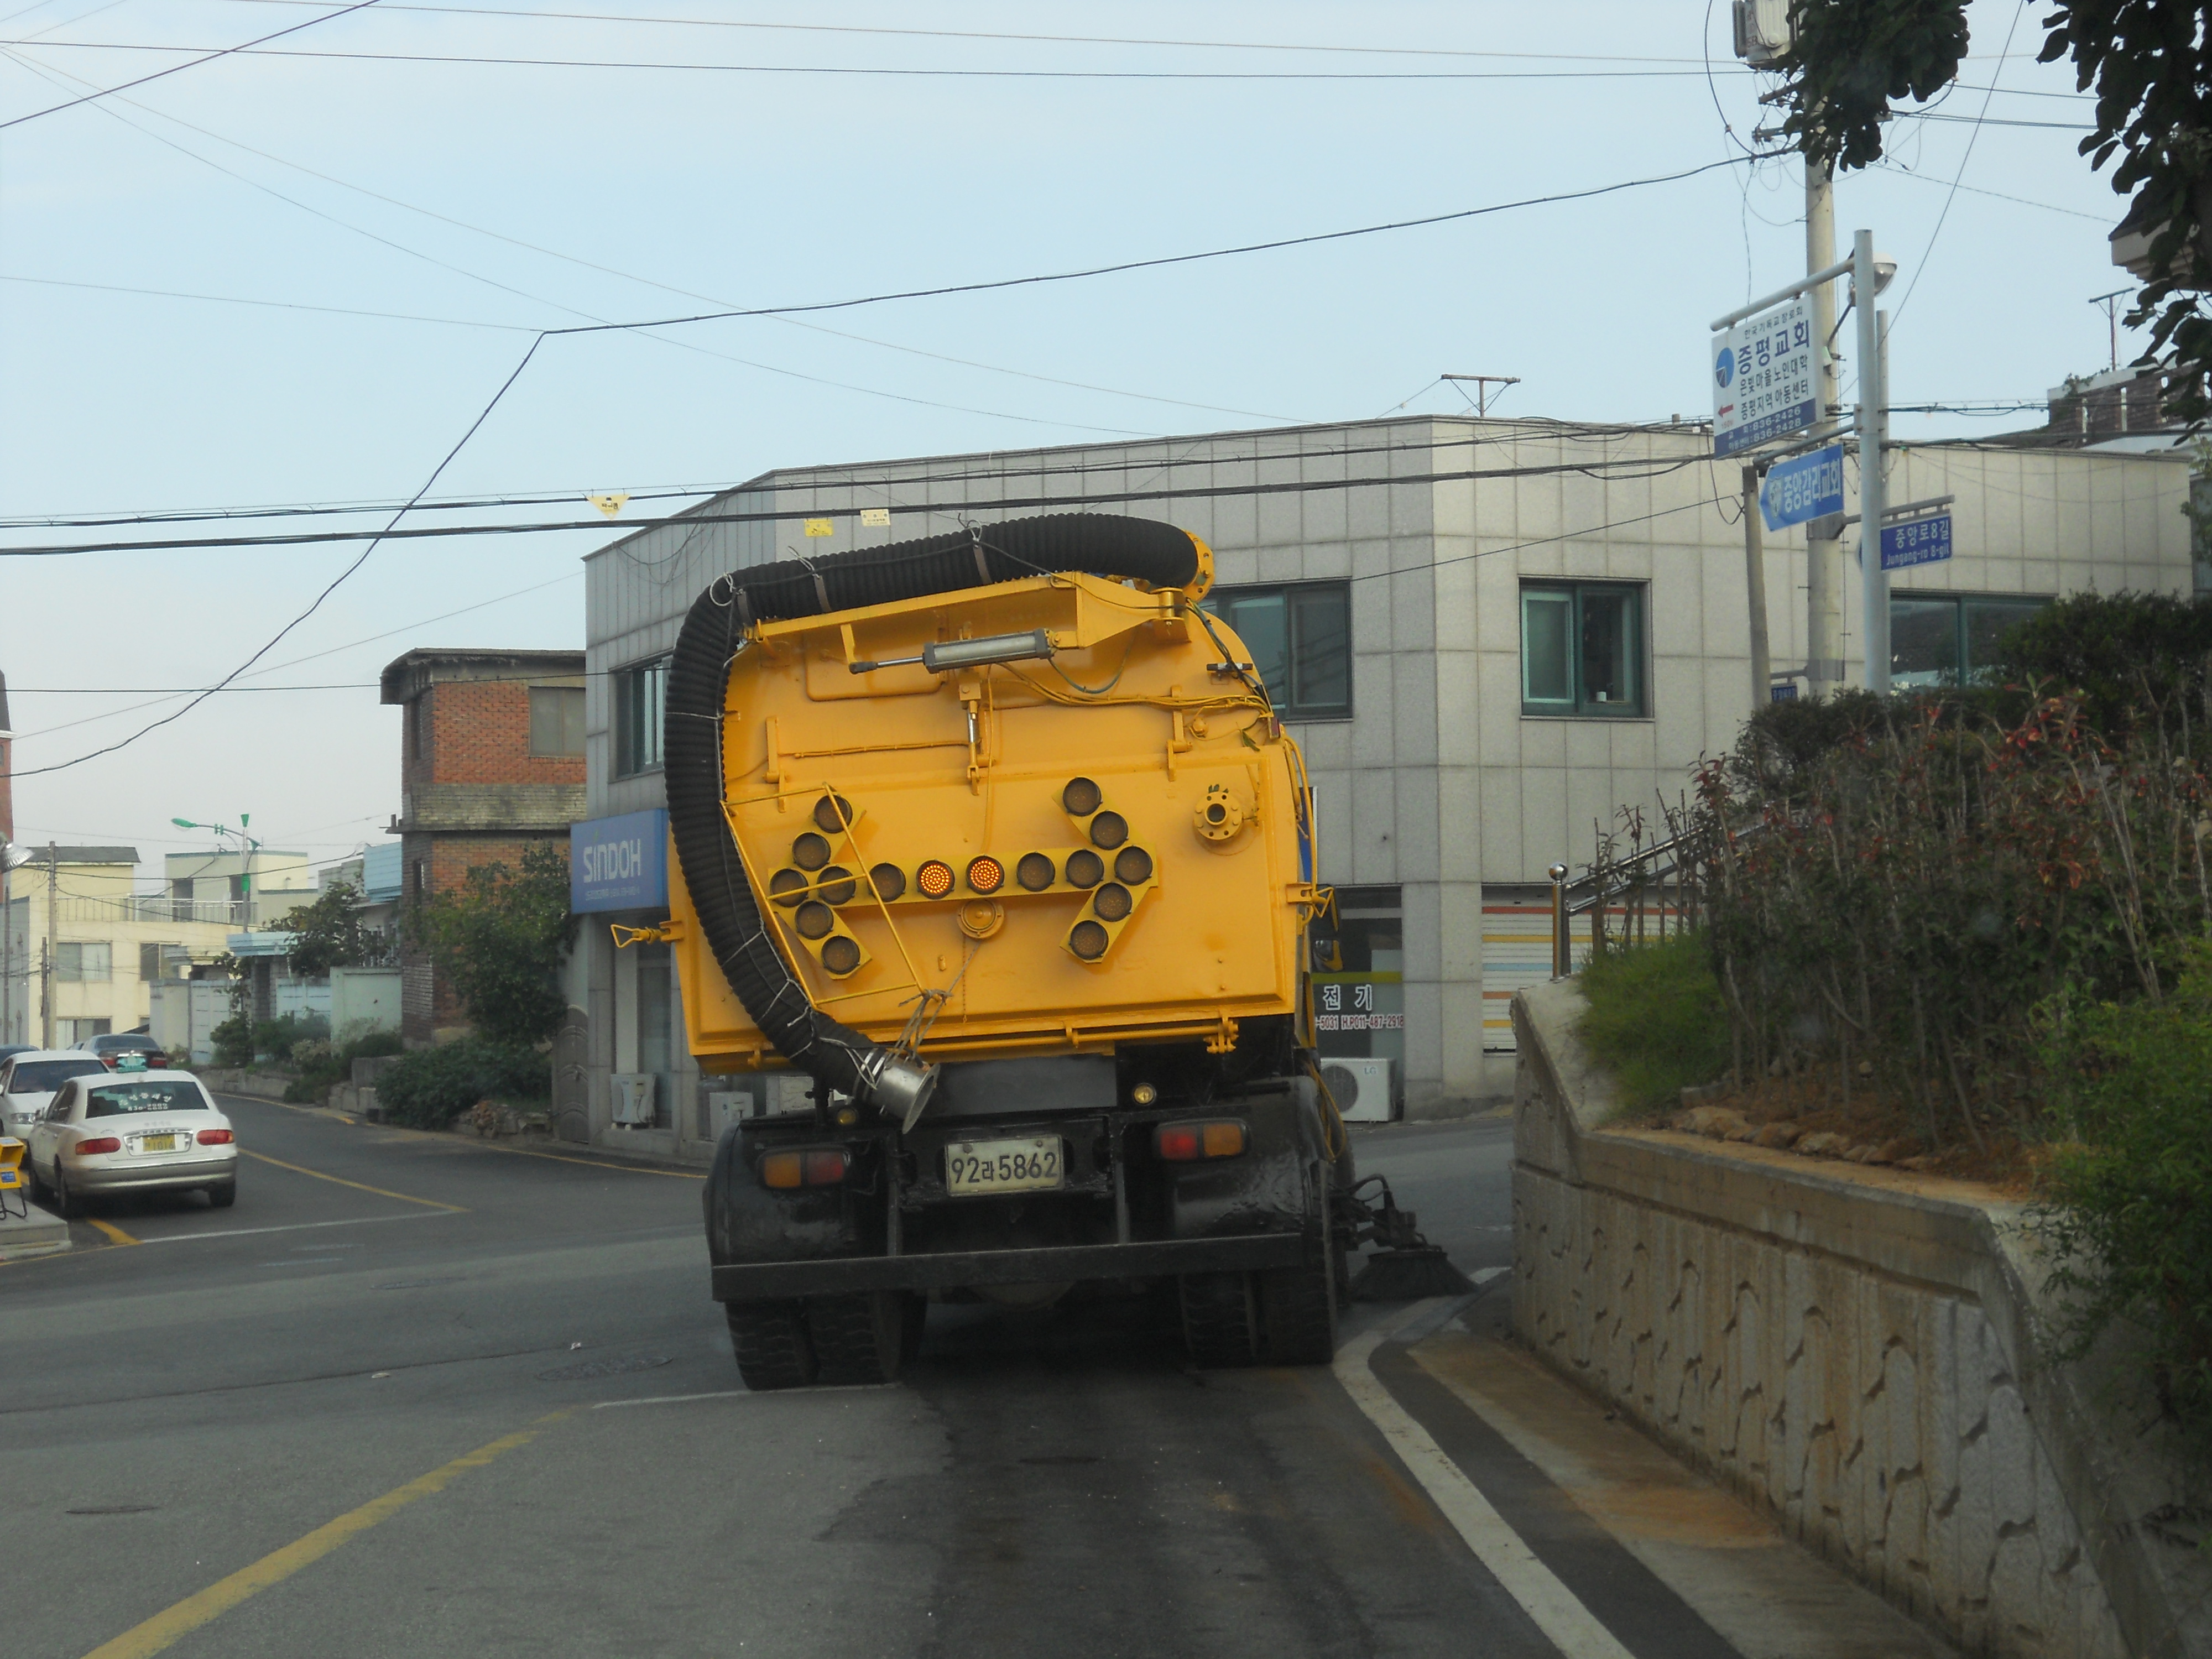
x: 1437, y: 784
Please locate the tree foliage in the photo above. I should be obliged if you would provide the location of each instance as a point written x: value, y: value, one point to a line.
x: 2147, y: 61
x: 501, y: 938
x: 327, y: 933
x: 1850, y: 60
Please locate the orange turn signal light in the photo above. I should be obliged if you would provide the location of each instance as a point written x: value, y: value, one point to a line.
x: 1185, y: 1143
x: 934, y: 879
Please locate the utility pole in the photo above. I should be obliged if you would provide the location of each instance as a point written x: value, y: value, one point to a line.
x: 47, y: 952
x: 1482, y: 384
x: 7, y: 951
x: 1823, y: 551
x: 2111, y: 305
x: 1873, y: 428
x: 1754, y: 572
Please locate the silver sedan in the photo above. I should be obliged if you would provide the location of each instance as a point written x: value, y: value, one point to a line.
x: 131, y: 1132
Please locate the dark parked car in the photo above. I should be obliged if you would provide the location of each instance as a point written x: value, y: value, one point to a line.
x: 146, y: 1054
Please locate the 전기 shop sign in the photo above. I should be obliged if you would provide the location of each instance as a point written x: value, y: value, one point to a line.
x: 1762, y: 374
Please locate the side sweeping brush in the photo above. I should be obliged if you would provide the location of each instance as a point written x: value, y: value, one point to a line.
x: 1405, y: 1267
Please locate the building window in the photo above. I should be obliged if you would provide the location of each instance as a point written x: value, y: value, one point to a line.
x: 83, y: 1031
x: 82, y: 963
x: 418, y: 716
x: 639, y: 694
x: 1582, y: 649
x: 422, y: 881
x: 1948, y: 639
x: 1300, y: 638
x: 556, y: 719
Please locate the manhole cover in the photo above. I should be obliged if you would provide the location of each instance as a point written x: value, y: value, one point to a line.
x: 419, y: 1284
x: 615, y: 1366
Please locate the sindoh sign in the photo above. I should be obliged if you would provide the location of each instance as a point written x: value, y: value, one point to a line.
x: 618, y: 864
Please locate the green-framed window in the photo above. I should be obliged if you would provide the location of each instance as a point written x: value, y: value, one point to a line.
x: 1950, y: 638
x: 1582, y: 649
x: 1299, y: 635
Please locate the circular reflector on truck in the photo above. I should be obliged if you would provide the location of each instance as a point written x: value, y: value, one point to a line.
x: 786, y: 885
x: 890, y: 880
x: 815, y: 920
x: 832, y: 814
x: 1109, y: 830
x: 1035, y: 871
x: 1085, y: 868
x: 836, y: 885
x: 1081, y: 797
x: 1111, y: 902
x: 1133, y: 865
x: 1088, y: 940
x: 810, y: 851
x: 840, y: 956
x: 985, y: 874
x: 934, y: 879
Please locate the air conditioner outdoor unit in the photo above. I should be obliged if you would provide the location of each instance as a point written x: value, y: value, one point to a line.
x: 1361, y: 1089
x: 633, y: 1101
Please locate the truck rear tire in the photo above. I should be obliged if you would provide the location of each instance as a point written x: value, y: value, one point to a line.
x: 858, y: 1338
x: 1220, y: 1319
x: 770, y: 1340
x: 1298, y: 1304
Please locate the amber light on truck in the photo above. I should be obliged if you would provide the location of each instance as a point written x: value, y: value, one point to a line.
x: 807, y: 1166
x: 985, y: 874
x: 1186, y: 1143
x: 934, y: 879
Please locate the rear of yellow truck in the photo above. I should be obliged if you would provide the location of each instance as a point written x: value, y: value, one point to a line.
x: 994, y: 835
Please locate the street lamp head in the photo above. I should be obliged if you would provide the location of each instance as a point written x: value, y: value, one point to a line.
x: 1885, y: 272
x: 186, y: 824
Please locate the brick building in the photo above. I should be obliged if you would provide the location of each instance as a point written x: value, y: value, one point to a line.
x: 492, y: 760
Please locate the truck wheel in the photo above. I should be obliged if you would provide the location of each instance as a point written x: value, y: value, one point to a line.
x: 1298, y: 1304
x: 860, y: 1338
x: 770, y: 1342
x: 1220, y: 1319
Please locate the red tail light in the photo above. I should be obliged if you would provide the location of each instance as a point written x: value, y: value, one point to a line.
x: 216, y: 1137
x: 824, y: 1168
x: 99, y: 1144
x: 1184, y: 1143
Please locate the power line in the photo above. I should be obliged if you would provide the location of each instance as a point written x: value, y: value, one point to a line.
x: 1521, y: 430
x: 178, y: 68
x: 2019, y: 11
x: 1191, y: 492
x: 982, y: 34
x: 274, y: 304
x: 485, y: 414
x: 899, y: 71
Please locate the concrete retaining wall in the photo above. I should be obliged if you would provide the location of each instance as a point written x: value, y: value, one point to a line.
x: 1853, y: 1351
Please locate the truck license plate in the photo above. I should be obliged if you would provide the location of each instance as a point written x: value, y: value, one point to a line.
x: 1034, y: 1163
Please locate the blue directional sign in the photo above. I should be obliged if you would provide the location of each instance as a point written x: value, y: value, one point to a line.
x: 1804, y: 487
x: 1916, y: 541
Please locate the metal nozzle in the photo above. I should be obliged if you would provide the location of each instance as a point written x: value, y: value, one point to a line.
x: 899, y: 1088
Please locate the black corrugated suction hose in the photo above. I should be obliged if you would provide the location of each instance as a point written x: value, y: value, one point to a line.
x: 698, y: 679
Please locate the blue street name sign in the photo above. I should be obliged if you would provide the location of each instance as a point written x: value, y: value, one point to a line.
x: 618, y: 864
x: 1785, y: 692
x: 1804, y: 487
x: 1916, y: 541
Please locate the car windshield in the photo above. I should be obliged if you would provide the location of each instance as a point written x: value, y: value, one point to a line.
x: 43, y: 1077
x: 156, y: 1095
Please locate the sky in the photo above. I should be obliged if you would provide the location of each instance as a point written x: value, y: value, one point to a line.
x: 296, y: 276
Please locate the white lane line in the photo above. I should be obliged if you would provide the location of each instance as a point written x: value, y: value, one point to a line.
x: 1566, y: 1622
x: 747, y: 1393
x: 1484, y: 1275
x: 294, y: 1227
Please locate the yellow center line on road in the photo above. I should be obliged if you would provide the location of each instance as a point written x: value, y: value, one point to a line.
x: 115, y: 1234
x: 167, y: 1626
x: 597, y: 1163
x: 358, y: 1186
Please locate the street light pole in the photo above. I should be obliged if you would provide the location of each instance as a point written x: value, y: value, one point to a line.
x: 1874, y: 426
x: 1823, y: 551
